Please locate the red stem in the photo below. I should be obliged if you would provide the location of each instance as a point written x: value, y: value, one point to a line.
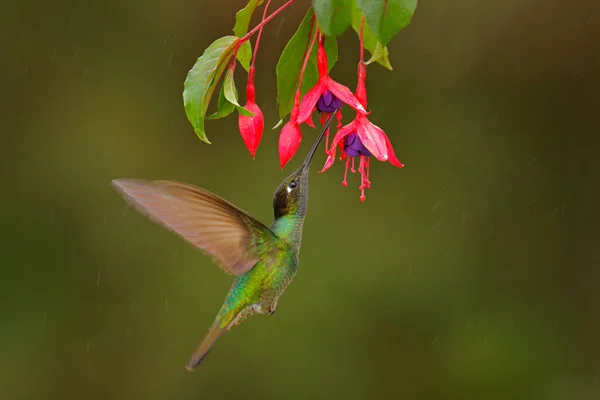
x: 362, y: 47
x: 264, y: 21
x: 298, y: 80
x: 305, y: 63
x: 259, y: 34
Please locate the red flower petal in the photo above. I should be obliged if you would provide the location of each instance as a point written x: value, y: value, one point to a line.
x: 251, y: 128
x: 345, y: 131
x: 343, y: 155
x: 344, y: 94
x: 322, y: 63
x: 373, y: 138
x: 310, y: 121
x: 308, y: 102
x: 391, y: 155
x: 328, y: 162
x: 289, y: 141
x: 361, y: 89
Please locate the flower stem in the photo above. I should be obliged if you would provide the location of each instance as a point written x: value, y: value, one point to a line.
x: 362, y: 47
x: 259, y: 35
x: 305, y: 63
x: 258, y: 28
x: 306, y: 54
x: 266, y: 20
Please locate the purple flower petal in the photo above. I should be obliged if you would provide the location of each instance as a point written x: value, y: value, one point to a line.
x: 354, y: 147
x: 328, y: 103
x: 327, y: 97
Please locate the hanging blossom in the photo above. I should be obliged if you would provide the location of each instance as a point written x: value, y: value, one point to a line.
x: 361, y: 138
x: 327, y: 96
x: 330, y: 95
x: 252, y: 127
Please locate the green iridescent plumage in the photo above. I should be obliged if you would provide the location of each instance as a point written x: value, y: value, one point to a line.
x: 264, y: 259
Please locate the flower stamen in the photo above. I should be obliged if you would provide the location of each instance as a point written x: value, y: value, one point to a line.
x: 324, y: 117
x: 345, y: 181
x: 363, y: 180
x: 367, y: 167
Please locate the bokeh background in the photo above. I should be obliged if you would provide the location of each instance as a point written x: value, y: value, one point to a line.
x: 472, y: 273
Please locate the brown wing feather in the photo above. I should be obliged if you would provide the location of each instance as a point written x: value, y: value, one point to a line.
x: 204, y: 219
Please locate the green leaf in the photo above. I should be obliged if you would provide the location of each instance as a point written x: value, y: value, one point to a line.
x: 333, y: 15
x: 387, y: 17
x: 201, y: 81
x: 224, y: 107
x: 245, y: 112
x: 290, y: 63
x: 229, y: 89
x: 378, y: 52
x: 242, y: 22
x: 231, y: 93
x: 381, y: 55
x: 244, y: 55
x: 243, y: 17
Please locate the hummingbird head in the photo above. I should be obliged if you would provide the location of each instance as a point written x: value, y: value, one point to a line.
x: 291, y: 196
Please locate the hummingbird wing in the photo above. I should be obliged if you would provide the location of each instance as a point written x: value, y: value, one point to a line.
x: 230, y: 235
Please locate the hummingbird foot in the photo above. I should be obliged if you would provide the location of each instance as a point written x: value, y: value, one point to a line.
x: 271, y: 310
x: 268, y: 308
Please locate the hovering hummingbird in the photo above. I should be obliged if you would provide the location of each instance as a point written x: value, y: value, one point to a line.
x: 264, y: 259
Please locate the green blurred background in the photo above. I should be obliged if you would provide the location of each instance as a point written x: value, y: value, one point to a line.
x: 472, y: 273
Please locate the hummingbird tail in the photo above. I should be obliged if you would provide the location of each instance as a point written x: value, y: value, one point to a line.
x: 214, y: 333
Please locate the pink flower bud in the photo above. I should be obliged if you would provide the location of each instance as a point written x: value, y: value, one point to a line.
x: 251, y: 128
x: 289, y: 141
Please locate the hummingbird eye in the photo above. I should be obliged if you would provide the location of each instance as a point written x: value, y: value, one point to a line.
x: 292, y: 185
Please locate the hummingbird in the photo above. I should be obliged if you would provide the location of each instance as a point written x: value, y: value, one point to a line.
x: 263, y: 259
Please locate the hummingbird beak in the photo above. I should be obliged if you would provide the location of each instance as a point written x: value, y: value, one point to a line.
x: 312, y: 151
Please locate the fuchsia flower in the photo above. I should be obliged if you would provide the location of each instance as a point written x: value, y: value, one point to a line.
x: 327, y: 95
x: 251, y: 127
x: 363, y: 139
